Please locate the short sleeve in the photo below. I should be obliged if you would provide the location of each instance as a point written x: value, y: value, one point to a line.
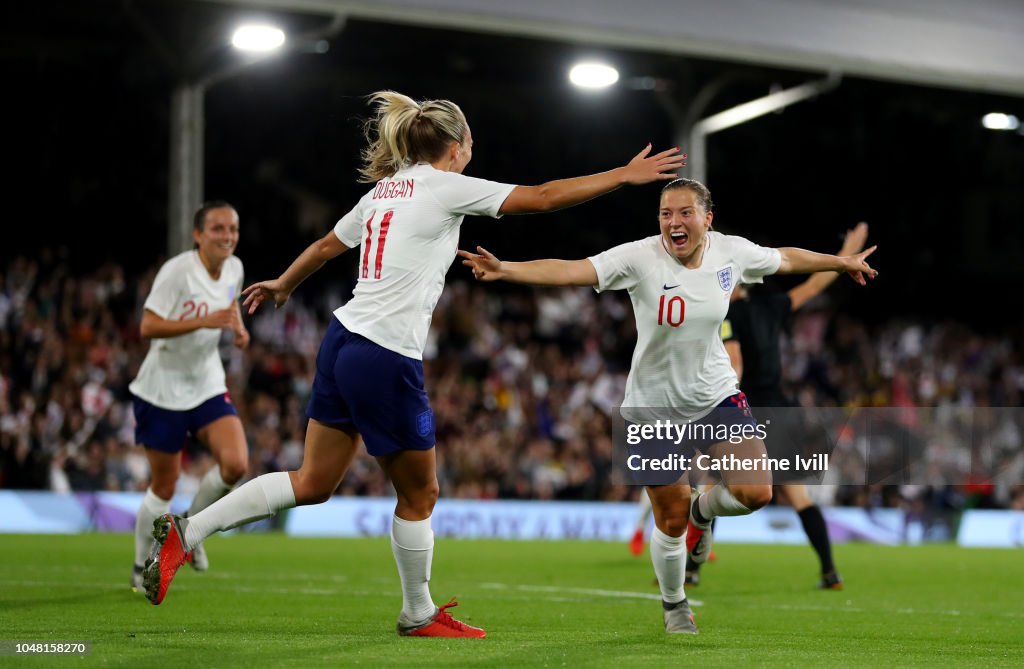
x: 349, y: 230
x: 469, y: 196
x: 621, y: 267
x: 166, y: 291
x: 754, y: 262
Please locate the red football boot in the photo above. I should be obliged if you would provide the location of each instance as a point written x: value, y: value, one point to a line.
x: 442, y: 624
x: 636, y: 544
x: 168, y: 555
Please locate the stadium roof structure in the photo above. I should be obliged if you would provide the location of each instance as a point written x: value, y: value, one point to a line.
x: 899, y: 143
x: 945, y: 43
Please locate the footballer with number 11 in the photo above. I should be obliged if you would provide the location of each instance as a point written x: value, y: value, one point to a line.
x: 369, y: 372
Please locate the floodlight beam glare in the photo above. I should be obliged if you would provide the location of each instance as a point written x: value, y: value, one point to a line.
x: 257, y: 38
x: 999, y: 121
x: 593, y: 75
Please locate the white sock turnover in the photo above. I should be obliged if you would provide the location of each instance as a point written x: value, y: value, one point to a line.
x: 720, y: 502
x: 211, y: 488
x: 668, y: 555
x: 152, y: 508
x: 260, y: 498
x: 412, y: 542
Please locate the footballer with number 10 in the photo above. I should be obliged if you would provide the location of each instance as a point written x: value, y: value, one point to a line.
x: 680, y: 283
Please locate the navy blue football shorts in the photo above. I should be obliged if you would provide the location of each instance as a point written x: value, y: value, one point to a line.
x: 167, y: 430
x: 378, y: 392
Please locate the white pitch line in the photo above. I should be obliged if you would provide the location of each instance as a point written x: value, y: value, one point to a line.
x: 593, y: 592
x: 625, y: 594
x: 556, y: 594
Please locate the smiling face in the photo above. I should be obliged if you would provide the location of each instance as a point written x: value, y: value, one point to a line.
x: 684, y: 223
x: 218, y: 237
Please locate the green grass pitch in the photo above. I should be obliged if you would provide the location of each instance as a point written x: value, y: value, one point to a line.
x: 273, y: 601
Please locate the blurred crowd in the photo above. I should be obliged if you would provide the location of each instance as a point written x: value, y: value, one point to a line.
x: 523, y: 383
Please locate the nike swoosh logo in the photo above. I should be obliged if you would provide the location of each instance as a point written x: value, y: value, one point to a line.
x: 668, y: 287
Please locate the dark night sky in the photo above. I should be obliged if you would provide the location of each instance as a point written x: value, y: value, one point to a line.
x: 87, y: 122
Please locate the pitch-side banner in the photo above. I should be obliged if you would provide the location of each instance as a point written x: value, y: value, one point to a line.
x: 39, y: 512
x: 473, y: 519
x: 992, y: 529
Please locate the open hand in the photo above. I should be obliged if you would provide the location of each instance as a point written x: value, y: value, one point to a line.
x: 485, y: 266
x: 264, y: 290
x: 645, y: 168
x: 857, y: 266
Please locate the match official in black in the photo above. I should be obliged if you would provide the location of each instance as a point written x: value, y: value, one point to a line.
x: 751, y: 334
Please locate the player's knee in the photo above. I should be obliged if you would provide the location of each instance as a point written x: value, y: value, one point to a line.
x: 427, y: 496
x: 673, y: 525
x: 310, y: 492
x: 755, y: 497
x: 163, y: 489
x: 314, y: 496
x: 232, y: 471
x: 419, y: 502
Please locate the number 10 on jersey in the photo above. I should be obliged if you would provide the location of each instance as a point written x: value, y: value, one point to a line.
x: 672, y: 311
x: 382, y: 236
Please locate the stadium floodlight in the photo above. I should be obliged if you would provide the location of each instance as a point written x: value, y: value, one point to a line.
x: 257, y: 38
x: 999, y: 121
x: 593, y: 75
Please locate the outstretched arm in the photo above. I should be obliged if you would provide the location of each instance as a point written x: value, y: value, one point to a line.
x: 817, y: 283
x: 486, y: 267
x: 644, y: 168
x: 309, y: 261
x: 800, y: 261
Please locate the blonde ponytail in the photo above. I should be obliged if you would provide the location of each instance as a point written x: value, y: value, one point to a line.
x: 403, y: 132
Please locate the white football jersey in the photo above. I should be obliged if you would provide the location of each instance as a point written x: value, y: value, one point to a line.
x: 180, y: 373
x: 408, y: 226
x: 680, y: 362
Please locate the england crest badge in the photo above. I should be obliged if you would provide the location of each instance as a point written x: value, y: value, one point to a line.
x: 725, y: 279
x: 425, y: 423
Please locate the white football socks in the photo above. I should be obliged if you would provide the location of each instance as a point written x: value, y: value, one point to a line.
x: 211, y: 488
x: 668, y: 555
x: 720, y: 502
x: 412, y: 542
x: 260, y: 498
x: 152, y: 508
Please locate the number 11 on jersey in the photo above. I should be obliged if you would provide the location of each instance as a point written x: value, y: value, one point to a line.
x: 382, y: 236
